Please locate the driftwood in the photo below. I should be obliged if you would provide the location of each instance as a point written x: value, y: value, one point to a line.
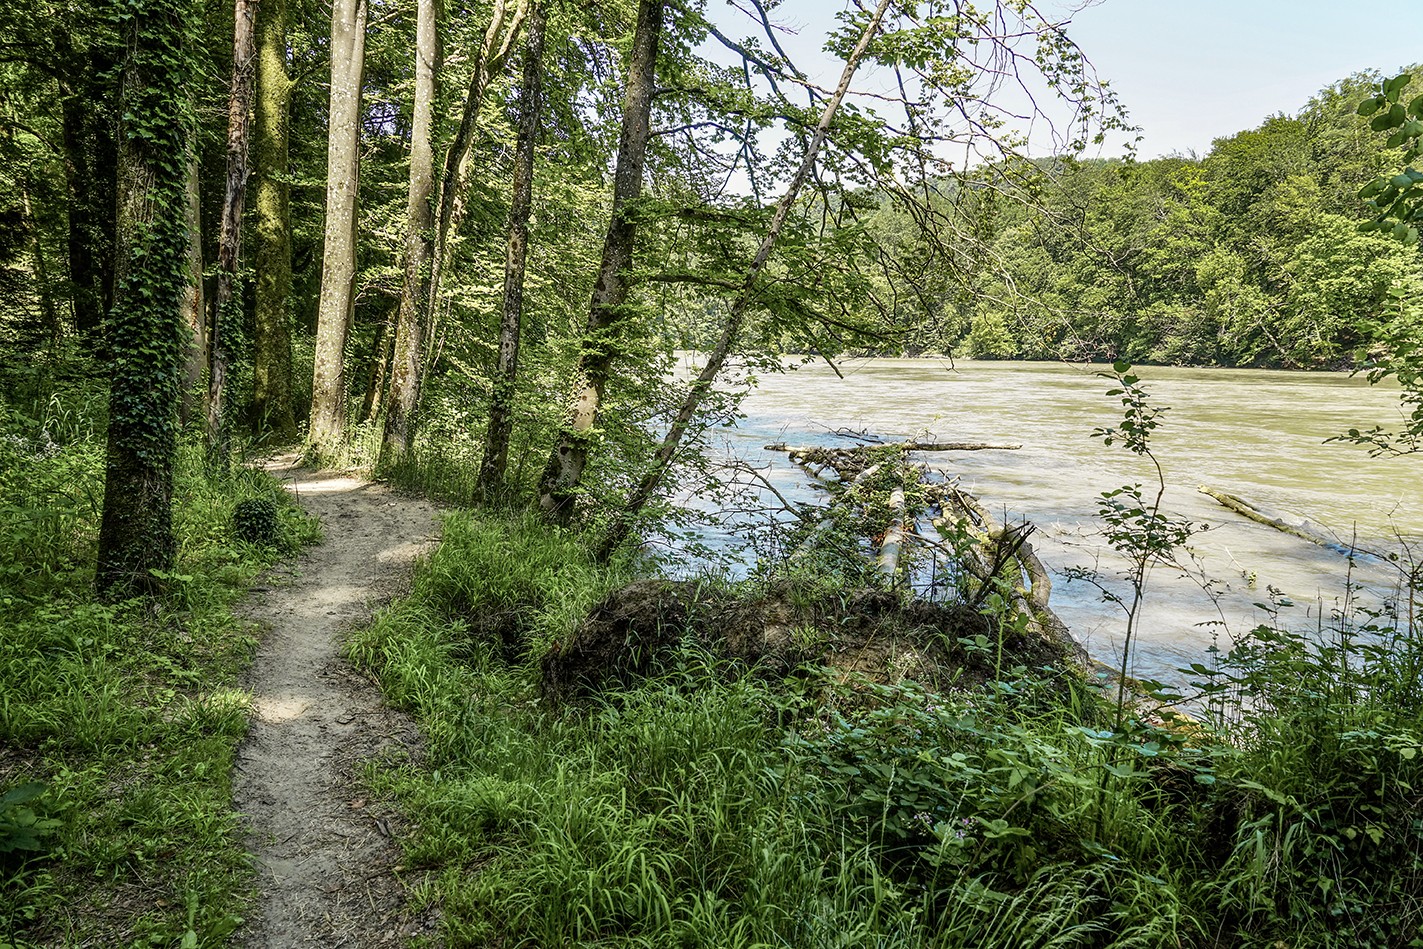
x: 997, y: 551
x: 1295, y: 527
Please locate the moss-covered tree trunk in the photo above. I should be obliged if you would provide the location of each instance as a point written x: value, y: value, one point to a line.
x: 195, y: 356
x: 409, y: 328
x: 338, y: 262
x: 229, y: 237
x: 608, y: 309
x: 501, y: 402
x: 272, y: 411
x: 146, y: 335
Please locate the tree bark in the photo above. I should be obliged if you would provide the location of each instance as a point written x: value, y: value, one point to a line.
x: 405, y: 369
x: 229, y: 238
x: 338, y: 263
x: 608, y: 311
x: 731, y: 331
x: 136, y: 543
x: 195, y: 316
x: 272, y: 257
x: 499, y: 38
x: 501, y: 402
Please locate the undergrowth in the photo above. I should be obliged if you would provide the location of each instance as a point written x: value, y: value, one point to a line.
x: 121, y: 719
x: 708, y: 808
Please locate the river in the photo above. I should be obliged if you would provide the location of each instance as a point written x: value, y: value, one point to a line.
x: 1257, y: 434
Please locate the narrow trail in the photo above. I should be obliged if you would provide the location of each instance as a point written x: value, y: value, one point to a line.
x: 325, y: 862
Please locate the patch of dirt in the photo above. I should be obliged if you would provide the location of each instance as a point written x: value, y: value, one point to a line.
x: 327, y: 867
x: 871, y: 634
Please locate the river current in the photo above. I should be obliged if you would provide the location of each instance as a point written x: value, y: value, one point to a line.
x: 1256, y: 434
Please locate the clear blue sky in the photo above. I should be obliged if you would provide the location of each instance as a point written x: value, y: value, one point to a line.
x: 1190, y: 71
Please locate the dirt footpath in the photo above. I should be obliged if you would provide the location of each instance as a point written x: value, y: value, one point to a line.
x: 327, y: 868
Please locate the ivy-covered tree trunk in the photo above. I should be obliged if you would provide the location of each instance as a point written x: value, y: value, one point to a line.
x: 409, y: 329
x: 338, y: 262
x: 501, y: 402
x: 146, y: 335
x: 608, y: 308
x: 272, y: 410
x: 229, y: 238
x: 731, y: 330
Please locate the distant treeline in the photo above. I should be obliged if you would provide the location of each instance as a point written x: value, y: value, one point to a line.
x: 1247, y: 256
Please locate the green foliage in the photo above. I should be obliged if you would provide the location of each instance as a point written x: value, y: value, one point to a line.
x: 129, y: 713
x: 709, y: 808
x: 20, y: 827
x: 255, y: 521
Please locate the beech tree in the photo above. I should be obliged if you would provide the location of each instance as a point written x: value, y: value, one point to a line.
x: 338, y: 263
x: 272, y: 359
x: 404, y: 376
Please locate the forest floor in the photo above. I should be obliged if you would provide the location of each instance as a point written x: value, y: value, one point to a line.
x: 327, y: 866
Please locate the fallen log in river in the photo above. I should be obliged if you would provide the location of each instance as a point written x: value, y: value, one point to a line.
x: 900, y: 507
x: 1294, y: 526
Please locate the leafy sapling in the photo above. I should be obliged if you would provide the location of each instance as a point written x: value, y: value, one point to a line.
x: 1134, y: 524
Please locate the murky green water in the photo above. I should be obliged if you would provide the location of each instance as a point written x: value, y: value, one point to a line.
x: 1256, y: 434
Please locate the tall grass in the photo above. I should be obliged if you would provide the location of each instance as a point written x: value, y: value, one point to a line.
x: 128, y: 713
x: 709, y: 808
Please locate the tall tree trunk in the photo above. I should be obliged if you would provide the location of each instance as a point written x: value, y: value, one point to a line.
x: 504, y: 26
x: 338, y: 262
x: 136, y: 543
x: 229, y: 235
x: 194, y: 312
x: 501, y: 402
x: 731, y: 331
x: 607, y: 312
x: 272, y: 257
x: 405, y: 370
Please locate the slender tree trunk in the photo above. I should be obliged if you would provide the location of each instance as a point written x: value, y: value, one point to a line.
x: 272, y: 257
x: 405, y: 370
x: 195, y: 316
x: 229, y: 235
x: 136, y: 543
x: 731, y: 331
x: 501, y: 402
x: 89, y: 162
x: 504, y: 26
x: 44, y: 291
x: 607, y: 311
x: 380, y: 362
x: 338, y: 263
